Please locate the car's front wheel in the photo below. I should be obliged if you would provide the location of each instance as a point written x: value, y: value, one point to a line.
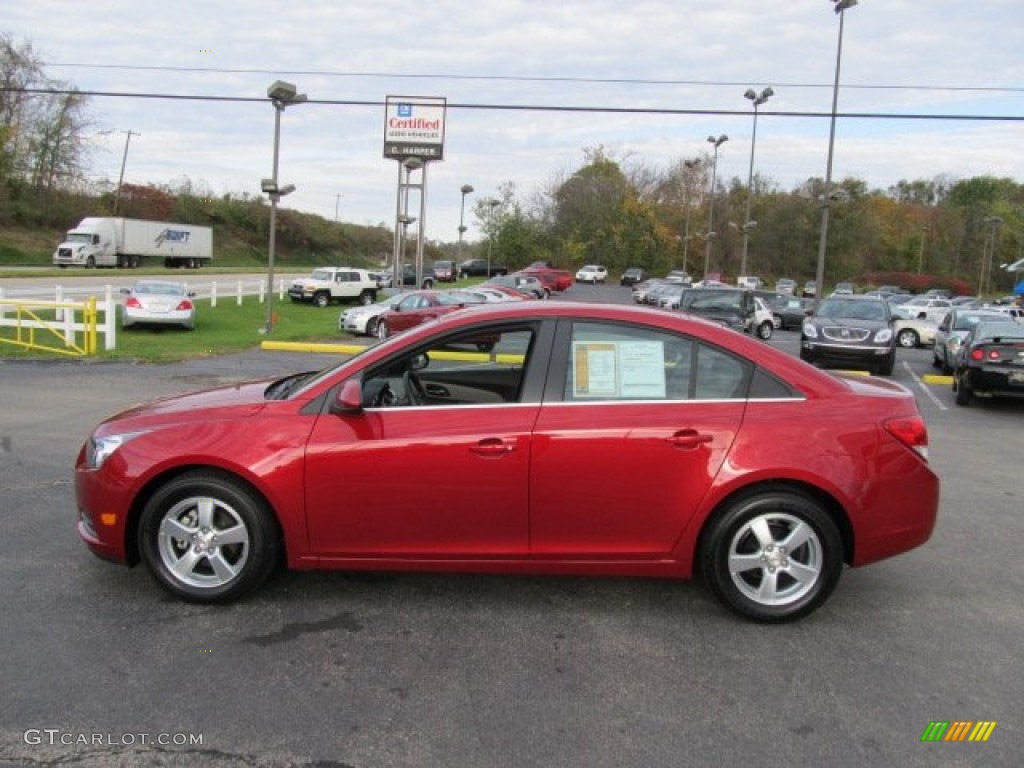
x: 382, y: 329
x: 908, y: 338
x: 208, y: 538
x: 773, y: 556
x: 765, y: 329
x: 321, y: 299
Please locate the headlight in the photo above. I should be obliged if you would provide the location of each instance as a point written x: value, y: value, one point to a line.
x: 810, y: 331
x: 102, y: 448
x: 883, y: 336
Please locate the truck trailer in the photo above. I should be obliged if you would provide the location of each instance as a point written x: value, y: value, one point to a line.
x: 120, y: 242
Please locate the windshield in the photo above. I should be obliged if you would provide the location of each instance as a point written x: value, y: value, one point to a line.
x: 79, y: 237
x: 854, y: 310
x: 321, y: 274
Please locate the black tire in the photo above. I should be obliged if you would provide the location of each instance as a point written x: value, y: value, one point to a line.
x: 321, y: 299
x: 777, y: 322
x: 90, y: 263
x: 371, y: 326
x: 908, y: 338
x: 947, y: 369
x: 961, y: 392
x: 765, y: 329
x: 367, y: 297
x: 181, y: 548
x: 428, y: 284
x: 800, y: 579
x: 382, y: 329
x: 886, y: 366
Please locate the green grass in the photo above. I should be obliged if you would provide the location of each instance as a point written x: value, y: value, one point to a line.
x: 221, y: 329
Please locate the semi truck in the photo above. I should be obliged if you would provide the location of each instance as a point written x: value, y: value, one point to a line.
x: 119, y: 242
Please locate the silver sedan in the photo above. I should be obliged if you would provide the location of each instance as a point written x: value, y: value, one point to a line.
x: 158, y: 302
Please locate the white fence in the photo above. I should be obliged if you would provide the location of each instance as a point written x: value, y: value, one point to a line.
x: 66, y: 326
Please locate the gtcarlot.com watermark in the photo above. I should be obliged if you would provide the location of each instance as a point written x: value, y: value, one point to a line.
x: 56, y: 737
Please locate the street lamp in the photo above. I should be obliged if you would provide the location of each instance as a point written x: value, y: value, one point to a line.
x: 281, y: 95
x: 711, y: 203
x: 490, y: 241
x: 687, y: 237
x: 757, y: 100
x: 467, y: 189
x: 840, y: 8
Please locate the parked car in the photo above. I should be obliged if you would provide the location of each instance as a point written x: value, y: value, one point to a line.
x: 991, y: 362
x: 211, y: 491
x: 790, y: 312
x: 592, y: 273
x: 679, y: 276
x: 810, y: 289
x: 927, y: 307
x: 445, y: 271
x: 481, y: 268
x: 670, y: 295
x: 362, y: 319
x: 951, y: 332
x: 158, y: 303
x: 912, y: 332
x: 785, y: 285
x: 641, y: 289
x: 632, y: 276
x: 530, y: 284
x: 850, y: 331
x: 556, y: 280
x: 732, y: 307
x: 417, y: 307
x: 843, y: 289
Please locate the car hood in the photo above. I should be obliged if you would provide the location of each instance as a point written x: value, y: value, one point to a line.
x: 238, y: 401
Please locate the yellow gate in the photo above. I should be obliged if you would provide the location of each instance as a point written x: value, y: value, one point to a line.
x: 55, y: 322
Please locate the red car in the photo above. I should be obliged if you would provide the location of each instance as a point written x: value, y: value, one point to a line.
x: 419, y: 306
x: 594, y: 440
x: 554, y: 279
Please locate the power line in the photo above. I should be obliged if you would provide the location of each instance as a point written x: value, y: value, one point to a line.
x: 530, y: 107
x: 528, y: 78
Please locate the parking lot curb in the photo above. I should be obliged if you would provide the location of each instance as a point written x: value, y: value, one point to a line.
x: 296, y: 346
x: 935, y: 378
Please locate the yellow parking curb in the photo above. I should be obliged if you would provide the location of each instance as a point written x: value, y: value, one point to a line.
x: 296, y: 346
x: 935, y: 378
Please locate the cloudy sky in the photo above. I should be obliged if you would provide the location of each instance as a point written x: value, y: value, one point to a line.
x: 668, y: 72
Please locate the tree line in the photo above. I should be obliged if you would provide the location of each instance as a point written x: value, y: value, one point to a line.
x: 610, y: 211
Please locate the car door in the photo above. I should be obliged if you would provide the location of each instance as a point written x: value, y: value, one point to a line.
x: 444, y: 478
x: 635, y: 425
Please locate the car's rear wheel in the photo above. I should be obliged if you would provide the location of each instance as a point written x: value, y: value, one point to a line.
x: 367, y: 297
x: 321, y: 299
x: 946, y: 367
x: 961, y: 391
x: 765, y: 329
x: 908, y: 338
x: 207, y: 538
x: 773, y: 556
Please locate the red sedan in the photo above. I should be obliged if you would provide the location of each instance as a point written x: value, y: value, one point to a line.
x: 420, y: 306
x: 554, y: 279
x: 593, y: 440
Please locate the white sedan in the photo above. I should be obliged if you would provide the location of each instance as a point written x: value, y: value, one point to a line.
x: 158, y: 302
x: 592, y: 273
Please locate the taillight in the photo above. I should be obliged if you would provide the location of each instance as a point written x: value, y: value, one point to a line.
x: 977, y: 354
x: 184, y: 306
x: 132, y: 302
x: 911, y: 432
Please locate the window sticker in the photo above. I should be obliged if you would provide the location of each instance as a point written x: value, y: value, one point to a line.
x: 618, y: 369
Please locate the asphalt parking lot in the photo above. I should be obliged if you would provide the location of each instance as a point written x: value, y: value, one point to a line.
x: 427, y: 670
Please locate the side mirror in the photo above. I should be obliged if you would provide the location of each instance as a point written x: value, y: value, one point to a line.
x: 349, y: 398
x: 419, y: 362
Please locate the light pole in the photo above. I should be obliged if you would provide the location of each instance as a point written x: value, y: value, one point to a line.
x: 920, y: 253
x: 281, y: 95
x: 337, y: 202
x: 687, y: 237
x: 711, y: 203
x: 748, y: 224
x: 492, y: 204
x: 988, y: 254
x: 124, y: 160
x: 819, y: 275
x: 467, y: 189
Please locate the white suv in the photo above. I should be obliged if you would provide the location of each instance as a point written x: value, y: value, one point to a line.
x: 327, y: 284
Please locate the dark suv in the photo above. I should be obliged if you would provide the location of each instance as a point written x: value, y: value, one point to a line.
x: 850, y: 331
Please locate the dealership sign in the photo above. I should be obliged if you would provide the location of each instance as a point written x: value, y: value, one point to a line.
x: 414, y: 127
